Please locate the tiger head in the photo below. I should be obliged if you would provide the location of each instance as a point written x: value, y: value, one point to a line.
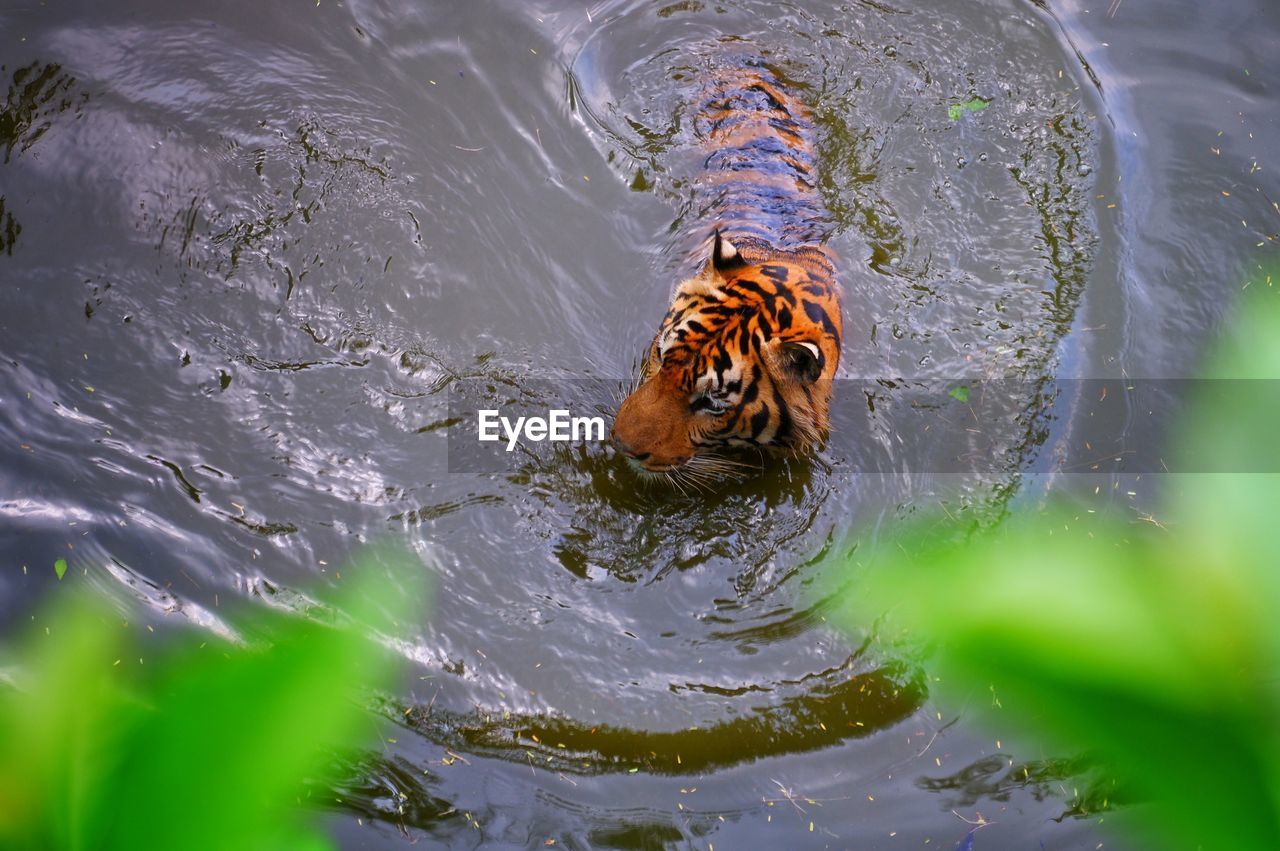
x: 744, y: 358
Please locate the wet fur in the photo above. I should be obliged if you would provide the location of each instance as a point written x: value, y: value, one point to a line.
x: 745, y: 356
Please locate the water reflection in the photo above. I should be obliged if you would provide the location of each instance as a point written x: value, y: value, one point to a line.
x: 9, y: 229
x: 817, y: 711
x: 37, y: 94
x: 301, y: 233
x: 1000, y: 777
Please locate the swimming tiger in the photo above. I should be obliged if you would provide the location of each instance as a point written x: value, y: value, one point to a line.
x: 746, y: 354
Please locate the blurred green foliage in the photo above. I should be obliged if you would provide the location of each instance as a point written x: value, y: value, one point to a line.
x: 1153, y: 644
x: 205, y: 745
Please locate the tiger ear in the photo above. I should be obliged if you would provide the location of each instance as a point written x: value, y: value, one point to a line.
x: 724, y: 254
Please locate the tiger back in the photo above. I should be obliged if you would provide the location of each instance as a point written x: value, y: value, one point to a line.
x: 746, y: 353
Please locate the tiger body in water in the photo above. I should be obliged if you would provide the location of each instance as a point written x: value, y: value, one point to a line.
x: 746, y: 354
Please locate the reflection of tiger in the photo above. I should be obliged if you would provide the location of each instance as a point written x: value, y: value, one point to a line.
x: 746, y: 353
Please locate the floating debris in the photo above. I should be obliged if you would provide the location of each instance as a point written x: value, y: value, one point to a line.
x: 956, y: 111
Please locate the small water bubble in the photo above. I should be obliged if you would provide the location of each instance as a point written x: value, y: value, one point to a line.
x: 1084, y: 169
x: 982, y: 157
x: 961, y: 162
x: 894, y: 261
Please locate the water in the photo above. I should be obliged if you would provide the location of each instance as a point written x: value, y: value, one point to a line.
x: 248, y: 252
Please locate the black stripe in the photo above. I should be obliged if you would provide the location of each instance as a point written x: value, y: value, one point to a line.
x: 722, y: 362
x: 783, y: 432
x: 754, y: 287
x: 817, y: 314
x: 759, y: 420
x: 777, y: 274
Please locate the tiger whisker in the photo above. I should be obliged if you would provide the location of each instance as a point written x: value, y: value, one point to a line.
x: 727, y: 463
x: 695, y: 471
x: 714, y: 469
x: 722, y: 460
x: 709, y: 474
x: 697, y: 480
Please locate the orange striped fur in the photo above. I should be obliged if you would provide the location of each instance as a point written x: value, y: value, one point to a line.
x: 745, y: 356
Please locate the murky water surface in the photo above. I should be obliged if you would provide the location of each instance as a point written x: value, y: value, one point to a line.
x: 248, y: 251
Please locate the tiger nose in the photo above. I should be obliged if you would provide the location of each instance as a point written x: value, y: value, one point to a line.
x: 626, y: 449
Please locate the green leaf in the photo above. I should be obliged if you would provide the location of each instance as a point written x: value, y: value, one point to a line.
x: 1227, y: 510
x: 60, y: 567
x: 1108, y: 638
x: 960, y: 394
x: 216, y: 744
x: 956, y: 111
x: 1151, y: 645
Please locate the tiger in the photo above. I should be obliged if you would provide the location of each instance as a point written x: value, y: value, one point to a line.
x: 745, y: 356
